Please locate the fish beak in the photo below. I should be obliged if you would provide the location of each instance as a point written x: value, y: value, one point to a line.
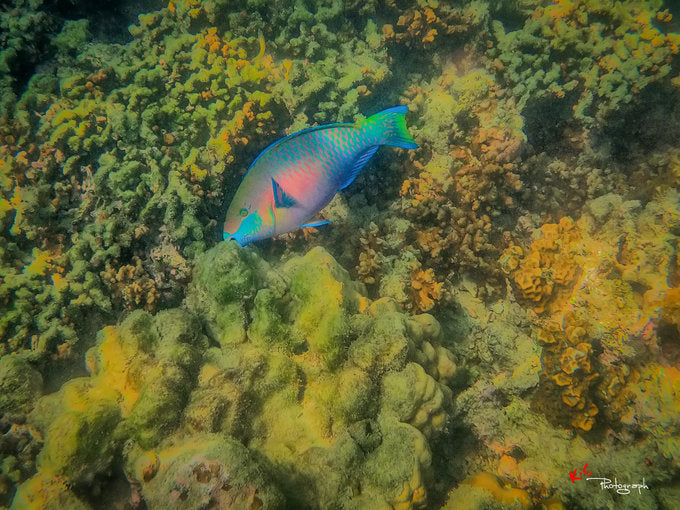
x: 226, y: 236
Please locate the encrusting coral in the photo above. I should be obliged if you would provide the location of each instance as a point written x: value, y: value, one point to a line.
x: 548, y: 268
x: 599, y: 286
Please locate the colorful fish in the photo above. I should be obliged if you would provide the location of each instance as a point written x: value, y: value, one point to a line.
x: 294, y: 178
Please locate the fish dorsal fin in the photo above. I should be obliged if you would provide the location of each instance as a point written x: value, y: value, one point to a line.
x: 298, y: 133
x: 281, y: 198
x: 358, y: 164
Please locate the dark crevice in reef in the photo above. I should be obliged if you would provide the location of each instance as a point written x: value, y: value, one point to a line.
x: 26, y: 35
x: 108, y: 19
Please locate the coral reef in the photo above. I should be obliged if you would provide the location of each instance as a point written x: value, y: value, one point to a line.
x: 298, y: 354
x: 537, y: 221
x: 595, y: 56
x: 512, y: 440
x: 600, y: 287
x: 106, y: 188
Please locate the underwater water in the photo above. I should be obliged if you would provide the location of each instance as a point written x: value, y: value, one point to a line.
x: 489, y: 321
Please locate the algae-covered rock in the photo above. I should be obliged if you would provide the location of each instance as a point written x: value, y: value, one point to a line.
x: 20, y: 384
x: 79, y: 443
x: 325, y: 298
x: 307, y: 381
x: 44, y: 492
x: 142, y: 373
x: 383, y: 342
x: 484, y: 491
x: 415, y: 397
x: 203, y: 471
x: 77, y: 424
x: 396, y: 469
x: 329, y: 391
x: 225, y: 282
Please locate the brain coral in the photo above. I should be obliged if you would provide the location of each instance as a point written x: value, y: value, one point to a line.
x: 297, y: 364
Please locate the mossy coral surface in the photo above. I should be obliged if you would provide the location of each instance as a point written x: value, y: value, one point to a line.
x: 308, y: 392
x: 537, y: 223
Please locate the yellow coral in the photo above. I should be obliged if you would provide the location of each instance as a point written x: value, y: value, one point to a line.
x: 425, y: 289
x: 506, y: 495
x: 548, y: 263
x: 40, y: 264
x: 590, y: 281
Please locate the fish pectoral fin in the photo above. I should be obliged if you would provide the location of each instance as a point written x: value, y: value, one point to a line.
x: 315, y: 223
x: 358, y: 164
x: 281, y: 198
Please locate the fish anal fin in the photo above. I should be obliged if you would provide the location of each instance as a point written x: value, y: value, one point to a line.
x: 358, y: 164
x: 281, y: 198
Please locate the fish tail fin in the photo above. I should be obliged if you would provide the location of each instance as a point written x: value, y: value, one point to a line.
x: 389, y: 128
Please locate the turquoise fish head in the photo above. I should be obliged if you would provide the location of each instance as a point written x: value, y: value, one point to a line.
x: 251, y: 227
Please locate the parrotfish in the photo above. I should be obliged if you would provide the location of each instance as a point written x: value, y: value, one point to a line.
x: 297, y: 176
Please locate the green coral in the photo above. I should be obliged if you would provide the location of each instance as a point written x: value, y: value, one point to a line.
x: 108, y: 151
x: 20, y: 384
x: 332, y: 397
x: 596, y: 56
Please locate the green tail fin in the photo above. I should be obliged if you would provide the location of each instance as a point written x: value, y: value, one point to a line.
x: 390, y: 128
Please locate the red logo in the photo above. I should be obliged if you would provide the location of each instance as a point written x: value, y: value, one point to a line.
x: 572, y: 474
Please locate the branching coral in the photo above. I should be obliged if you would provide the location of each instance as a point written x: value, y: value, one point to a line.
x: 132, y: 285
x: 369, y: 257
x: 334, y: 60
x: 425, y: 289
x: 595, y: 56
x: 422, y: 25
x: 101, y: 159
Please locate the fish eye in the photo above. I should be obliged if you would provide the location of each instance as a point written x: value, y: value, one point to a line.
x: 243, y: 212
